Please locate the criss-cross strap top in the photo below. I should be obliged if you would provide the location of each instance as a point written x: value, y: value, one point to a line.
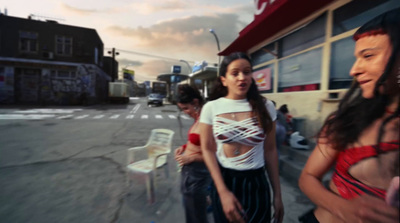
x: 246, y: 132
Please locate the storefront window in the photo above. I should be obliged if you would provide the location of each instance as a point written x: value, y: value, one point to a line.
x: 264, y: 78
x: 342, y: 59
x: 301, y: 72
x: 310, y: 35
x: 357, y: 12
x: 264, y: 54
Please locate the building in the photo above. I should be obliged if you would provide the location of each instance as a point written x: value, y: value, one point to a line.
x: 44, y: 62
x: 302, y: 52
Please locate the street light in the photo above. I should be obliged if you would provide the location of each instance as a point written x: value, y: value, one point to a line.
x: 113, y: 54
x: 219, y: 49
x: 187, y: 63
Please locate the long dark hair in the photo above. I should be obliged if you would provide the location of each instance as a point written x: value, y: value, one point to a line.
x: 254, y: 97
x: 355, y: 113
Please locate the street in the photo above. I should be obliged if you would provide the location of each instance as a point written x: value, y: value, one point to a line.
x: 68, y: 165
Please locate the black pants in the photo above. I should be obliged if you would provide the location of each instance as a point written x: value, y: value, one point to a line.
x: 194, y: 183
x: 251, y: 188
x: 308, y: 217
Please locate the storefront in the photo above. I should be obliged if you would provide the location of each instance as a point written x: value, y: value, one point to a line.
x: 302, y: 51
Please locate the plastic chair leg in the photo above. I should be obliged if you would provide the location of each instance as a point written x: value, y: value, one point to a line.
x: 150, y: 188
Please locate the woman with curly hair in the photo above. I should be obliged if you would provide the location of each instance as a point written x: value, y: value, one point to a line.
x: 362, y: 136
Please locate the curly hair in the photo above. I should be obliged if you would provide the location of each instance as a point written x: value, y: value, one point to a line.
x: 254, y: 97
x: 344, y: 126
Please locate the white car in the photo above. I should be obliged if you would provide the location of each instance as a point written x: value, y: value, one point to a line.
x: 155, y: 99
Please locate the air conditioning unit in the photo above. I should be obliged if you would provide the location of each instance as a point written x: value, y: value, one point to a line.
x: 48, y: 55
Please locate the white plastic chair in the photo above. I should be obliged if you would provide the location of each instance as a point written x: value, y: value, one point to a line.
x: 158, y: 149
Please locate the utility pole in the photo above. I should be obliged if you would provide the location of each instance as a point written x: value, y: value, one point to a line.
x: 113, y: 54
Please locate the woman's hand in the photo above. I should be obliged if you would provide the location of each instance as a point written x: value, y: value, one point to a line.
x: 184, y: 159
x: 366, y: 208
x: 278, y: 210
x: 178, y: 151
x: 232, y: 208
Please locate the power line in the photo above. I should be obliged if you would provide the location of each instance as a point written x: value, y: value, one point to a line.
x: 149, y: 55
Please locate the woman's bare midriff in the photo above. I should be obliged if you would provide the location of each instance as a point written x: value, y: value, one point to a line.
x: 229, y: 149
x: 323, y: 215
x: 192, y: 149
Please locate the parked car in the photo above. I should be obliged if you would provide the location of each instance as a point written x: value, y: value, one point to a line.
x: 155, y: 99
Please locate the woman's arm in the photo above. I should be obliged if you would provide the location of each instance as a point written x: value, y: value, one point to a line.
x: 363, y: 208
x: 272, y: 166
x: 186, y: 158
x: 231, y: 206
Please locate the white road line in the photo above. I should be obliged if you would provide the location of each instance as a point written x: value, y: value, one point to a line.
x: 22, y: 116
x: 159, y: 117
x: 65, y: 116
x: 172, y: 116
x: 184, y: 117
x: 135, y: 109
x: 98, y: 116
x: 114, y: 117
x: 129, y: 116
x: 144, y: 117
x: 46, y: 111
x: 81, y: 117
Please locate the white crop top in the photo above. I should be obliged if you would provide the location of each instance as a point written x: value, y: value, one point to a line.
x: 246, y: 132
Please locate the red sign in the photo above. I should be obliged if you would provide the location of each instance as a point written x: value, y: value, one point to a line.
x: 263, y: 79
x: 264, y: 7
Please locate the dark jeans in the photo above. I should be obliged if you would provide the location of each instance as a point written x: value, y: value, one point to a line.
x: 194, y: 183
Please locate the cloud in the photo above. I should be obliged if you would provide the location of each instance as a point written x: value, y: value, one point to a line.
x: 182, y: 34
x: 77, y: 11
x: 150, y: 7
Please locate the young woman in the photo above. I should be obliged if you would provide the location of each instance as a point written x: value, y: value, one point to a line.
x: 362, y: 136
x: 237, y: 139
x: 195, y: 177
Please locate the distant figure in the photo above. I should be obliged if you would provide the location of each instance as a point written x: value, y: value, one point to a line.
x: 281, y: 128
x: 362, y: 137
x: 285, y: 119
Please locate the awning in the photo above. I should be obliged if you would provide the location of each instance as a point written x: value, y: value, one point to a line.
x: 206, y: 73
x: 276, y: 16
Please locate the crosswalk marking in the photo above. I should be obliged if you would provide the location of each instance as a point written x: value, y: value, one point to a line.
x: 88, y: 116
x: 23, y: 116
x: 184, y: 117
x: 81, y: 117
x: 65, y: 117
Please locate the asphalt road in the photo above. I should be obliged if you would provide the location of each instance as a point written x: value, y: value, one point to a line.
x: 67, y: 164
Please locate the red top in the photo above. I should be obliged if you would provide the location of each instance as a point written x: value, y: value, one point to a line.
x: 194, y: 138
x: 347, y: 185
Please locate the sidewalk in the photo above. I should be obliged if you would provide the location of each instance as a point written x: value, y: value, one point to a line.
x: 168, y: 206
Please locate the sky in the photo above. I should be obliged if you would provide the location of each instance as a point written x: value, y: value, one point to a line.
x: 150, y: 35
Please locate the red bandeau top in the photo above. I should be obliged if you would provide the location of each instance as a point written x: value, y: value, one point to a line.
x: 347, y: 185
